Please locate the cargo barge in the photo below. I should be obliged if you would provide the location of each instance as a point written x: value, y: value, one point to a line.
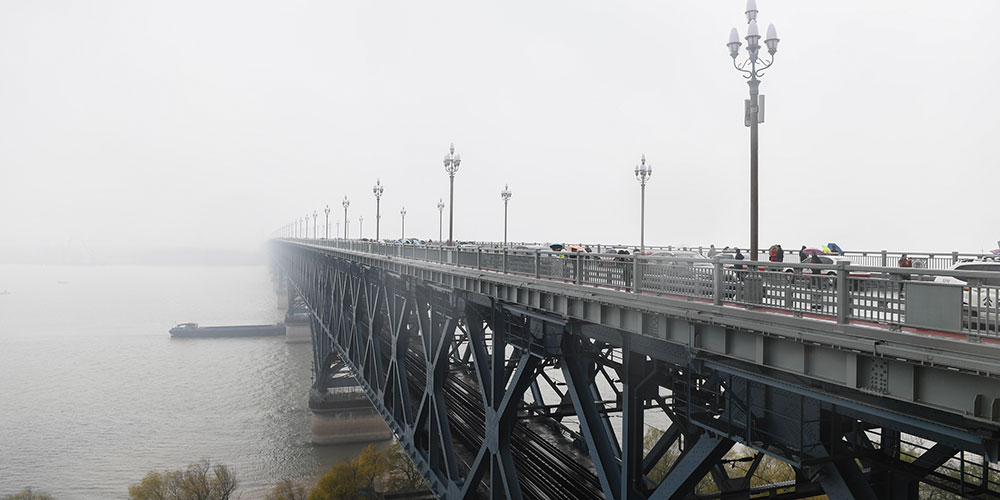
x: 192, y: 330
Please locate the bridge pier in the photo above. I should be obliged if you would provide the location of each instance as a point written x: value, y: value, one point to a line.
x: 297, y: 329
x: 297, y: 320
x: 281, y: 291
x: 341, y: 411
x: 280, y: 281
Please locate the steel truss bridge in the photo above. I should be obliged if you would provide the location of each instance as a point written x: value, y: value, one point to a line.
x: 535, y: 375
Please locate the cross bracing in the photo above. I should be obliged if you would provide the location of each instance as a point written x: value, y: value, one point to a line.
x: 505, y: 387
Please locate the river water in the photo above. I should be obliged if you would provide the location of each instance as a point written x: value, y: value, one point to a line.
x: 94, y: 392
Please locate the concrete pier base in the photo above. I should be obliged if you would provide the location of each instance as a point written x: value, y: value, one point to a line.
x: 297, y: 329
x: 344, y: 415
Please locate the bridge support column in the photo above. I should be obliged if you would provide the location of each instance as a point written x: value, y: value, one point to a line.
x: 297, y: 329
x: 341, y: 411
x: 280, y: 281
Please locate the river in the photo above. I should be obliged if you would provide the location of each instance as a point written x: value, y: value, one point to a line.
x: 94, y: 392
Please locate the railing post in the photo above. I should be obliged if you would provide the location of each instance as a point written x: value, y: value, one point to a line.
x: 441, y: 254
x: 479, y: 258
x: 717, y: 280
x: 843, y: 290
x: 503, y: 263
x: 885, y: 259
x: 954, y: 257
x: 538, y: 259
x: 635, y: 274
x: 577, y: 269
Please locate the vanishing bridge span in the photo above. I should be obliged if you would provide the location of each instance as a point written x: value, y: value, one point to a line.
x: 530, y: 374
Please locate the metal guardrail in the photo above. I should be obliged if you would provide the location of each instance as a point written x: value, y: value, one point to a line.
x: 872, y: 258
x: 843, y: 293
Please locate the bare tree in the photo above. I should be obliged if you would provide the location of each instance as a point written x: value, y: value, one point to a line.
x: 200, y: 481
x: 28, y: 494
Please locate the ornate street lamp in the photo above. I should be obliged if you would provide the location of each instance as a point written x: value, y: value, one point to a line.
x: 642, y: 174
x: 361, y: 226
x: 326, y: 235
x: 451, y: 163
x: 377, y: 189
x: 402, y: 236
x: 505, y: 195
x: 440, y: 220
x: 314, y: 224
x: 752, y: 68
x: 346, y: 203
x: 305, y: 233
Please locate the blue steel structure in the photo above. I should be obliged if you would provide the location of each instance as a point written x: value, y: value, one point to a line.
x: 503, y: 385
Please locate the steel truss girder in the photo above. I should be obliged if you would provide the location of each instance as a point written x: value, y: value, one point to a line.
x: 360, y: 308
x: 355, y: 307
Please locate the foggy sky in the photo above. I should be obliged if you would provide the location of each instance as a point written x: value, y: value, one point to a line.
x: 129, y: 124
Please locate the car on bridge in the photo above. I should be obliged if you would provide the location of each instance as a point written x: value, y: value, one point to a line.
x: 980, y: 295
x: 829, y: 259
x: 685, y: 273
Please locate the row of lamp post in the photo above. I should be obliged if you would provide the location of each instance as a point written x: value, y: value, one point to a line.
x: 752, y: 68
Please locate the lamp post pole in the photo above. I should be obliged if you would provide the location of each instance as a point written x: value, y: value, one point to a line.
x: 752, y: 68
x: 505, y: 195
x: 305, y: 234
x: 346, y: 203
x: 451, y: 163
x: 361, y: 226
x: 326, y: 233
x: 338, y: 229
x: 402, y: 236
x: 440, y: 220
x: 643, y: 172
x: 314, y: 224
x: 378, y: 200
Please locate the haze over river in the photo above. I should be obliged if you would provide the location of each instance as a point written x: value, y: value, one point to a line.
x: 94, y: 392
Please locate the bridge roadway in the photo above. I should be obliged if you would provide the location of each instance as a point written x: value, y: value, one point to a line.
x: 471, y: 355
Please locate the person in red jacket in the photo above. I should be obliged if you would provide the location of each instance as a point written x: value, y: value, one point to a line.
x: 904, y: 261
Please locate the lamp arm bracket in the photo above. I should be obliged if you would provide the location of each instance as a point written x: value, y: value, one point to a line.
x: 742, y: 68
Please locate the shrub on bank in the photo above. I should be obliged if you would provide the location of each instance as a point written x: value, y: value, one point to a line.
x: 201, y: 481
x: 28, y: 494
x: 356, y: 479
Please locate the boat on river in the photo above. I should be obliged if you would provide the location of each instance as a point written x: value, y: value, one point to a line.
x: 192, y: 330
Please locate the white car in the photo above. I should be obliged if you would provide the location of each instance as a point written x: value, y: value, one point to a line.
x: 692, y: 274
x: 977, y: 292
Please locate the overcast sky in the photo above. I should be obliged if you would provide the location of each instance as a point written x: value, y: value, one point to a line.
x: 135, y: 124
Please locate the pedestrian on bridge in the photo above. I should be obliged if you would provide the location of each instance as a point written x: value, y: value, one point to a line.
x: 904, y: 261
x: 817, y: 282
